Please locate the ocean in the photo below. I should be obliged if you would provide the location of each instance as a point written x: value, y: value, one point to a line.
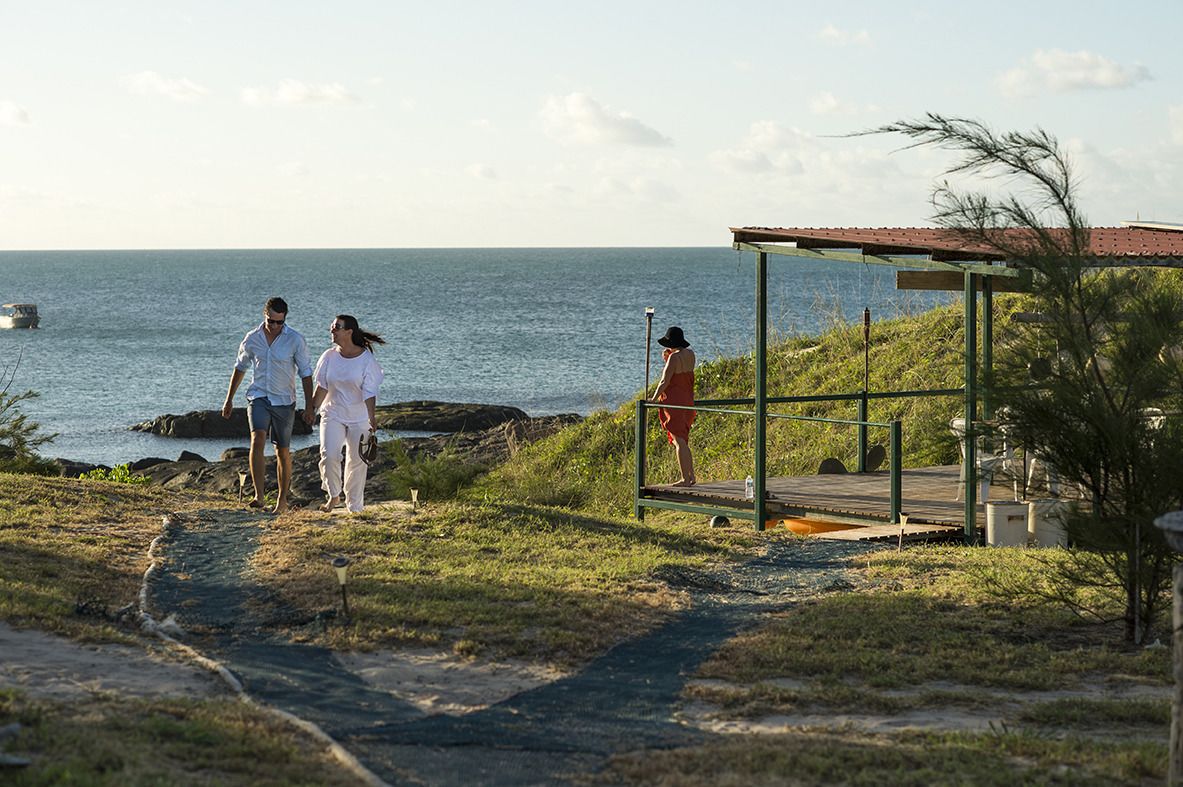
x: 129, y: 335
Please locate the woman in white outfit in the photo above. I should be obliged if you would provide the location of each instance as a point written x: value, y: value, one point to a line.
x: 347, y: 379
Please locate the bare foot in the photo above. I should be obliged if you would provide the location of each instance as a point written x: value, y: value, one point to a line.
x: 255, y: 503
x: 280, y: 507
x: 682, y: 482
x: 331, y: 504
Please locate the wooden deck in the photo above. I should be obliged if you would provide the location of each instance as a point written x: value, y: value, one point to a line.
x: 929, y: 498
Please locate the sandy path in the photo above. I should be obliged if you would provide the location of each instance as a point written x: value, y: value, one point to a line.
x: 51, y: 667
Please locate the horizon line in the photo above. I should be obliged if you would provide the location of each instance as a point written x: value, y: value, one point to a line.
x: 348, y: 248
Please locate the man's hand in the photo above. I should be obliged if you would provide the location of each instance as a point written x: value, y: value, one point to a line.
x: 227, y: 409
x: 309, y: 416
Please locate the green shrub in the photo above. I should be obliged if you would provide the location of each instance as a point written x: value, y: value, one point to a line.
x: 29, y: 464
x: 120, y: 474
x: 437, y: 478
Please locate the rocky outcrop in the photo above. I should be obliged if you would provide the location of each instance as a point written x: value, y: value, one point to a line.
x: 71, y: 469
x: 444, y: 416
x: 486, y: 447
x: 421, y: 416
x: 208, y: 423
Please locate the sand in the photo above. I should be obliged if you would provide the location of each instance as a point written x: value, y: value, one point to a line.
x: 51, y: 667
x: 440, y: 682
x: 47, y: 666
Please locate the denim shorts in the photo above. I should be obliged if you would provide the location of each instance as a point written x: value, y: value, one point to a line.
x: 274, y: 418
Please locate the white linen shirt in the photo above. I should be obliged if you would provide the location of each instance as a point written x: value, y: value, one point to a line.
x: 272, y: 364
x: 349, y: 382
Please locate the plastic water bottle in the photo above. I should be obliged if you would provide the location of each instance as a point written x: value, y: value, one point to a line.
x: 749, y: 488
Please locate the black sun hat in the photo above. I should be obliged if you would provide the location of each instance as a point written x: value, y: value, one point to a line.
x: 673, y: 338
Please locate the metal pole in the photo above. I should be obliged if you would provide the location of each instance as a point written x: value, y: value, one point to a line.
x: 761, y: 398
x: 862, y: 410
x: 987, y: 344
x: 648, y: 345
x: 638, y: 509
x: 897, y: 469
x: 971, y: 407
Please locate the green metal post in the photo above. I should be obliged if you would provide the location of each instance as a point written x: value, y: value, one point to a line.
x: 862, y: 410
x: 761, y: 398
x: 971, y: 407
x: 638, y: 509
x: 862, y: 433
x: 897, y: 469
x: 987, y: 343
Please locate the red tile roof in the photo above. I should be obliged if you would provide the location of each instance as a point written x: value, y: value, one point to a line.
x: 1143, y: 244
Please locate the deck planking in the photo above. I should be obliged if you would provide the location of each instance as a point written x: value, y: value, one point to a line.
x: 929, y: 498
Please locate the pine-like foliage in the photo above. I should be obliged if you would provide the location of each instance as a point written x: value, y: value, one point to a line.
x: 1092, y: 385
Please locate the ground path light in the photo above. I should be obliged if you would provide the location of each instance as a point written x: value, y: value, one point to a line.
x: 242, y: 477
x: 1172, y: 527
x: 414, y: 500
x: 903, y: 524
x: 340, y: 565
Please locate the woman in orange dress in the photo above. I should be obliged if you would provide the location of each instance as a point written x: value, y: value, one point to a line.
x: 677, y: 387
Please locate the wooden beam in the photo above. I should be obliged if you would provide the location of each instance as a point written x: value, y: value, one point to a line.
x: 954, y: 282
x: 921, y: 263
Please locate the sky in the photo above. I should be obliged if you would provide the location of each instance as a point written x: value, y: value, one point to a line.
x: 462, y: 124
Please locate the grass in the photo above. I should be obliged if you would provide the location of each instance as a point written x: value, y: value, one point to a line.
x: 589, y: 466
x: 1090, y: 713
x: 919, y: 759
x: 75, y: 550
x: 527, y: 581
x: 927, y: 629
x: 935, y: 617
x: 111, y: 741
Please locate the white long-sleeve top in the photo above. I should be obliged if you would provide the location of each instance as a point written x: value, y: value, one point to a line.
x: 349, y: 382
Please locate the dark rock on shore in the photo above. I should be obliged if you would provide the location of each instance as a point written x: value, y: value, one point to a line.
x: 71, y: 469
x: 488, y: 446
x: 144, y: 464
x: 444, y: 416
x: 423, y: 416
x: 208, y: 423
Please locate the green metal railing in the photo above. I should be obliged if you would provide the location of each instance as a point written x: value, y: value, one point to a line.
x: 723, y: 406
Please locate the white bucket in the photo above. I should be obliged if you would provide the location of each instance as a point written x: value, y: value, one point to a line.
x: 1045, y: 520
x: 1006, y: 524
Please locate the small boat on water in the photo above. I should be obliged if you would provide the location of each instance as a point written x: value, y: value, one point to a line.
x: 19, y: 315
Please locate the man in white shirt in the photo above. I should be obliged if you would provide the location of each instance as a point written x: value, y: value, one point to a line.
x: 275, y: 354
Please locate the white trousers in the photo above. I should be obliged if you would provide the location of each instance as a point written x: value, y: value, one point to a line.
x: 334, y: 435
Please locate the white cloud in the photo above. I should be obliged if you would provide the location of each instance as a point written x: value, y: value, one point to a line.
x: 1127, y: 183
x: 1059, y: 71
x: 13, y: 114
x: 482, y: 172
x: 839, y: 37
x: 1175, y: 114
x: 293, y: 92
x: 643, y: 188
x: 827, y: 103
x: 483, y: 124
x: 150, y: 83
x: 294, y: 169
x: 580, y: 118
x: 768, y: 148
